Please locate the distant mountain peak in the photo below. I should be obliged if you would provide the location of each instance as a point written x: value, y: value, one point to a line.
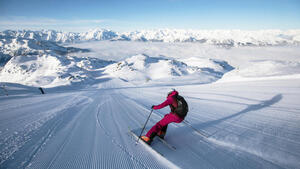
x: 225, y: 38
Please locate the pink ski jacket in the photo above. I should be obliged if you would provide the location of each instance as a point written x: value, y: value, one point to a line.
x: 171, y: 101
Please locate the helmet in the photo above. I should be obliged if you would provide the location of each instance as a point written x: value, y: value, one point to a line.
x: 173, y: 90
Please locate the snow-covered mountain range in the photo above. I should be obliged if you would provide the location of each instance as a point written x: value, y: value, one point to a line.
x: 51, y: 70
x: 142, y: 68
x: 43, y: 63
x: 37, y: 58
x: 227, y: 38
x: 30, y: 60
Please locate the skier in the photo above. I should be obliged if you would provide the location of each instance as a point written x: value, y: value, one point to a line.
x: 178, y: 112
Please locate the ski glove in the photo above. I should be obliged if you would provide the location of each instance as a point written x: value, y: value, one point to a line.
x: 152, y: 106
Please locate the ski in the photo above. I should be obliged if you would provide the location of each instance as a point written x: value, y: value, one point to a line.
x: 167, y: 144
x: 201, y: 133
x: 143, y: 143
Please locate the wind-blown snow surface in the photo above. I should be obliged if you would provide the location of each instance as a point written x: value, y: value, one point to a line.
x: 250, y: 113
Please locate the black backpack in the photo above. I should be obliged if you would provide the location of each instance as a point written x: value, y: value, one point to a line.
x: 182, y: 108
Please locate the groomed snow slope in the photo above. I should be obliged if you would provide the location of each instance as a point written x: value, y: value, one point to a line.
x: 250, y: 125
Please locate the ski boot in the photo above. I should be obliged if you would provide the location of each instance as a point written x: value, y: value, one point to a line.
x: 146, y: 139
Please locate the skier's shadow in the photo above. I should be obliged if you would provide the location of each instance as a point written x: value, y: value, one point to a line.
x: 252, y: 107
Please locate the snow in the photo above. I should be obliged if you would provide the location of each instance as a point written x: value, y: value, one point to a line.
x: 265, y: 69
x: 44, y: 63
x: 143, y: 68
x: 245, y: 99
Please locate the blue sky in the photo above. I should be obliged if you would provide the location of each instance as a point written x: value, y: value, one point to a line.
x: 130, y: 15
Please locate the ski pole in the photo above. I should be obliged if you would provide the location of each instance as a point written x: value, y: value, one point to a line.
x: 144, y: 126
